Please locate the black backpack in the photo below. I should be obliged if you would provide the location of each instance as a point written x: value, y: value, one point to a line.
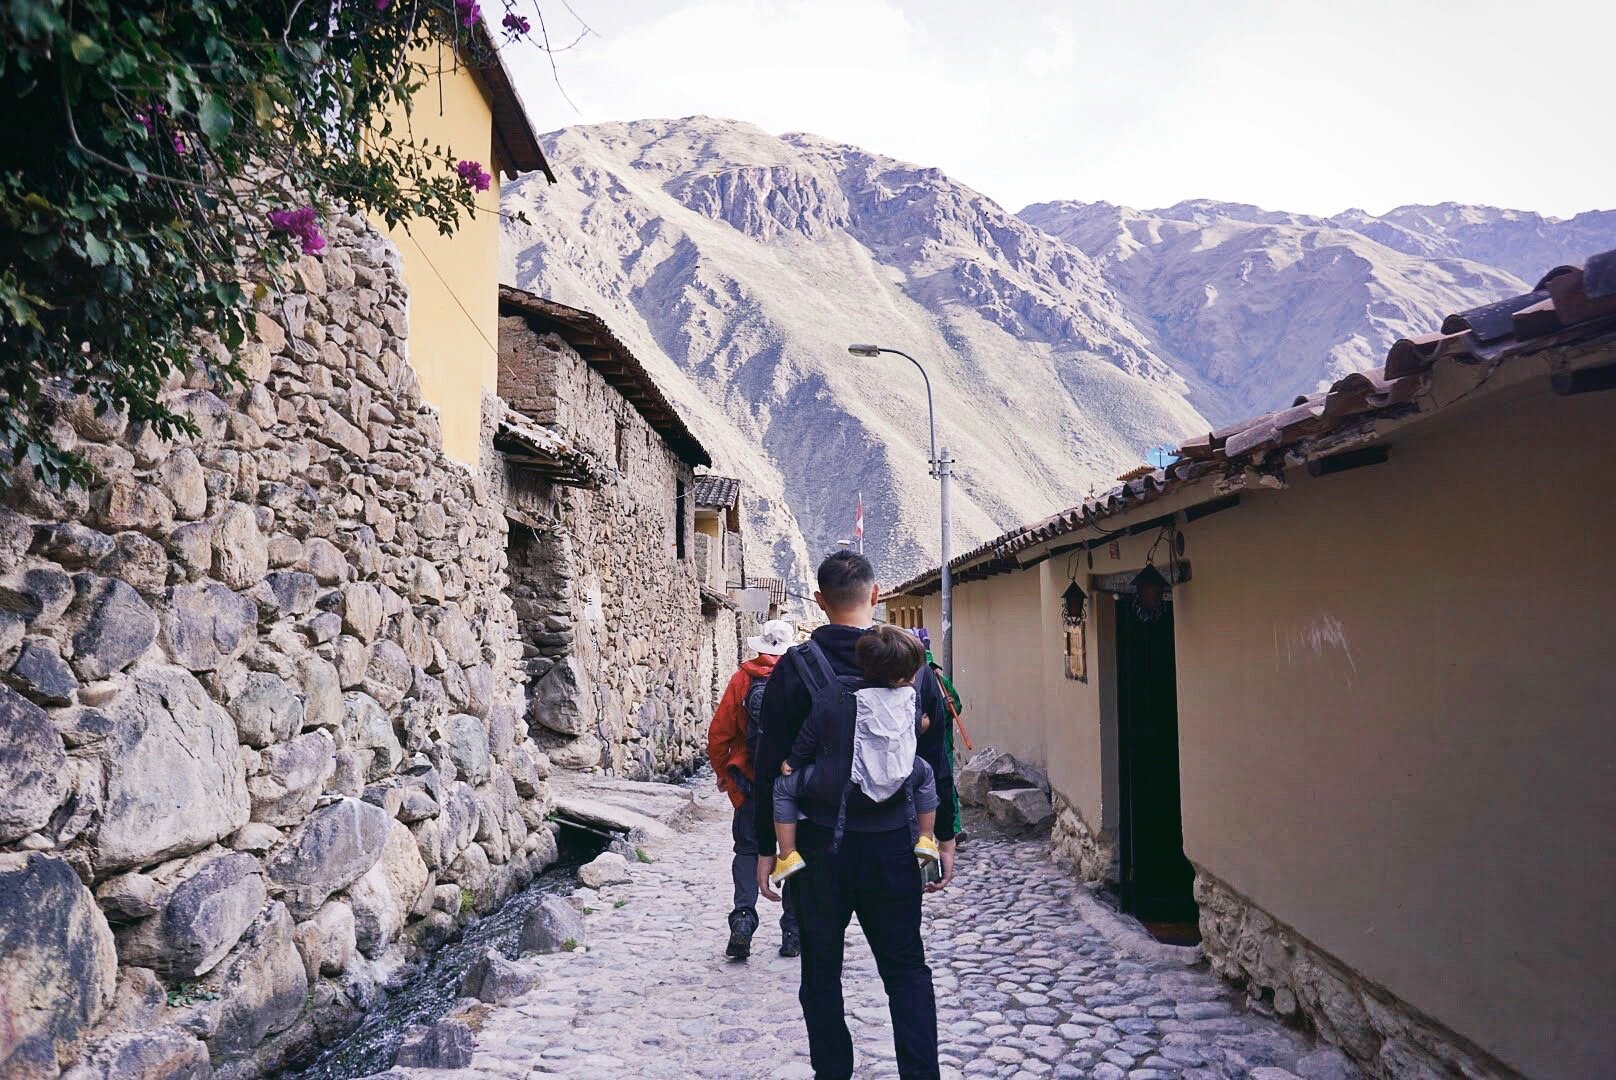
x: 832, y: 696
x: 752, y: 702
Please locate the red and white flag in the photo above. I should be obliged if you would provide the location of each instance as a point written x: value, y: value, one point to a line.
x: 858, y: 521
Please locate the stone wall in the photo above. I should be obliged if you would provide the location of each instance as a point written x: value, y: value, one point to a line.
x: 728, y: 649
x: 610, y: 617
x: 1090, y: 853
x: 261, y: 704
x: 1304, y: 983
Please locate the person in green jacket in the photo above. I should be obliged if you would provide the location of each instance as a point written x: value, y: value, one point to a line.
x: 956, y: 707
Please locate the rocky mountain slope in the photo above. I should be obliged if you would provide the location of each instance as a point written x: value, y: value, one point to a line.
x: 1061, y: 342
x: 1516, y: 241
x: 740, y: 266
x: 1264, y: 305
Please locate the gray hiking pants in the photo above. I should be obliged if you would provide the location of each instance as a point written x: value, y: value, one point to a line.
x: 743, y: 867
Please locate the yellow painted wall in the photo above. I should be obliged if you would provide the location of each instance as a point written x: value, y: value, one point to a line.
x: 1001, y: 672
x: 454, y: 280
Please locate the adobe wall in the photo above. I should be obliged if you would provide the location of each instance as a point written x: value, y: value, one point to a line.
x: 1394, y: 691
x: 261, y: 703
x: 1395, y: 695
x: 613, y: 637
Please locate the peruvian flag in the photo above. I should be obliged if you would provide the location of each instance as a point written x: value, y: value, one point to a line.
x: 858, y: 520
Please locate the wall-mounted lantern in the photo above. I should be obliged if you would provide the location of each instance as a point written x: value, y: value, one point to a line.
x: 1074, y: 604
x: 1150, y: 593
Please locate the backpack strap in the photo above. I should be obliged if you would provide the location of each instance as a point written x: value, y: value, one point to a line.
x: 814, y: 666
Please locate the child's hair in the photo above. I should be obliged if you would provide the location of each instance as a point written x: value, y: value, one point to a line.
x: 889, y: 655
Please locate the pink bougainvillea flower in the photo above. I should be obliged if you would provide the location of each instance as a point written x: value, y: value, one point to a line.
x: 472, y: 173
x: 469, y: 11
x: 383, y: 5
x: 516, y: 24
x: 302, y: 223
x: 179, y: 145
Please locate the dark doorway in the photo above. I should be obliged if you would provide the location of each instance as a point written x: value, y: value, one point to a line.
x: 1156, y: 877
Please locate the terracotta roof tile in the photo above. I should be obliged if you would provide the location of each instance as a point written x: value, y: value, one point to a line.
x: 720, y: 491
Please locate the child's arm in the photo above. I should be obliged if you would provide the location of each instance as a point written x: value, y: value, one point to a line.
x: 806, y: 748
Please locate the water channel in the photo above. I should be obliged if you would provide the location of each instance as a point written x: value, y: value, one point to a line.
x: 433, y: 990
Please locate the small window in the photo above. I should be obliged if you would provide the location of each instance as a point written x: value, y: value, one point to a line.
x: 679, y: 518
x: 622, y: 447
x: 1077, y: 652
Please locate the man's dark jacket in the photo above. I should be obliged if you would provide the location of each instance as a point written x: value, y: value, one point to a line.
x: 786, y: 704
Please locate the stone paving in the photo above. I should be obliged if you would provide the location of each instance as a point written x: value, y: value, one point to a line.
x: 1026, y: 987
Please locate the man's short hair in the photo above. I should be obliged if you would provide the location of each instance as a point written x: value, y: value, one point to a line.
x: 889, y: 656
x: 845, y: 579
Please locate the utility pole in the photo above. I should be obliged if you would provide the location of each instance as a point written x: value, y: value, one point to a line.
x: 945, y: 469
x: 941, y: 469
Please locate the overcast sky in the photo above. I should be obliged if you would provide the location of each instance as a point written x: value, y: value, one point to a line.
x: 1303, y: 105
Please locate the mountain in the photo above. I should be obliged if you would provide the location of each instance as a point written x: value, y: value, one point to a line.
x: 1061, y: 343
x: 1263, y: 305
x: 739, y: 266
x: 1516, y: 241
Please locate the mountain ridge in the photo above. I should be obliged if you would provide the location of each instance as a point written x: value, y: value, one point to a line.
x: 1062, y: 341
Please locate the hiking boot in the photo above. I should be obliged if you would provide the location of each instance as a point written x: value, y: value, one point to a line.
x: 743, y: 923
x: 790, y: 942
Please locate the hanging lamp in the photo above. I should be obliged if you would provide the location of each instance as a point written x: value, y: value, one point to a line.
x: 1150, y: 593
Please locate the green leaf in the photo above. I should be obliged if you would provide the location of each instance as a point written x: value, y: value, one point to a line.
x: 86, y: 50
x: 263, y: 107
x: 215, y: 118
x: 96, y: 250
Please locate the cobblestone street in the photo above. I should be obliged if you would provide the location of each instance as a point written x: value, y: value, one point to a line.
x: 1026, y: 987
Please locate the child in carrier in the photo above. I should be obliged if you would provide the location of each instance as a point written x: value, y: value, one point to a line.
x: 887, y: 721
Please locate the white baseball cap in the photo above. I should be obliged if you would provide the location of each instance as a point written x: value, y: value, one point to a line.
x: 777, y: 636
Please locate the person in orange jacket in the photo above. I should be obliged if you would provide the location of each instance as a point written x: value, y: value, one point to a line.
x: 731, y: 740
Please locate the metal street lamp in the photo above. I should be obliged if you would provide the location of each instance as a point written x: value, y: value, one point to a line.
x: 941, y: 469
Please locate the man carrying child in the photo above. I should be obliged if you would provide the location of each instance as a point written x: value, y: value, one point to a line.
x: 886, y: 726
x: 859, y: 853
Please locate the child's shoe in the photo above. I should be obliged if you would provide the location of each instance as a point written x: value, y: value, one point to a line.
x: 926, y: 850
x: 789, y: 864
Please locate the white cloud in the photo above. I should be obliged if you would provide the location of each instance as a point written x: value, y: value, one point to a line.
x: 1309, y: 106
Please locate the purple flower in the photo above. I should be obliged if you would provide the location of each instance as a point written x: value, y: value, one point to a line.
x: 516, y: 24
x: 383, y: 5
x: 472, y: 173
x: 144, y: 116
x: 179, y: 145
x: 469, y: 11
x: 302, y: 223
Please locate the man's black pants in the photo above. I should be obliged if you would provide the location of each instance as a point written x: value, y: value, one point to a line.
x: 874, y: 876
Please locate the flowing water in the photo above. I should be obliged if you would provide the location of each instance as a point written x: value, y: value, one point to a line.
x: 433, y: 990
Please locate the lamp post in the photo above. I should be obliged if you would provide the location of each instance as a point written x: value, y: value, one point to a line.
x: 941, y: 469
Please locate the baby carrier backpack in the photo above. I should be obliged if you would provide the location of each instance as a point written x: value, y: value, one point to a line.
x: 885, y: 719
x: 835, y: 711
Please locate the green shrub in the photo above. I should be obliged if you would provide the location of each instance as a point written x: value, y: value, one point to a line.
x: 163, y: 163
